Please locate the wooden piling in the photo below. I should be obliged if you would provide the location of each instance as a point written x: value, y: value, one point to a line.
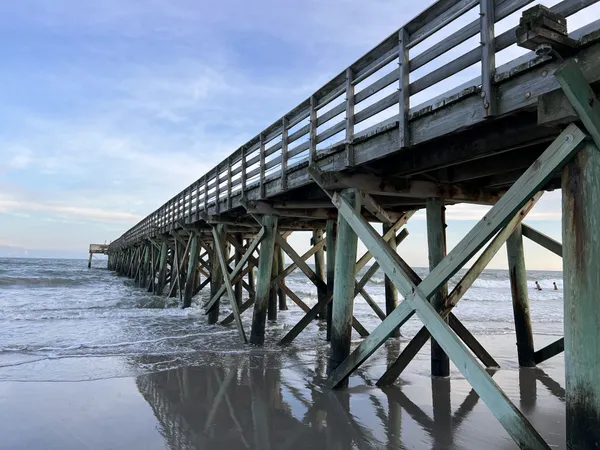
x: 162, y: 268
x: 216, y: 277
x: 436, y: 243
x: 265, y: 267
x: 90, y: 261
x: 330, y: 241
x: 581, y: 257
x: 190, y: 281
x: 391, y: 293
x: 520, y: 298
x: 238, y: 257
x: 343, y: 288
x: 320, y: 271
x: 280, y: 291
x: 273, y: 297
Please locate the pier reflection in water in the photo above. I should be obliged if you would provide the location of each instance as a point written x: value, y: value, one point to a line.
x: 263, y: 401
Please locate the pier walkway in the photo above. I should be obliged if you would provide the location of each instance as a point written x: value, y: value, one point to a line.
x: 358, y: 152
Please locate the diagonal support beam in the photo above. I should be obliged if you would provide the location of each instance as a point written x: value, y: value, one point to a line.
x: 549, y: 351
x: 541, y: 239
x: 581, y: 96
x: 236, y: 270
x: 312, y: 314
x: 419, y: 340
x: 554, y: 158
x: 416, y: 302
x: 227, y: 278
x: 534, y: 178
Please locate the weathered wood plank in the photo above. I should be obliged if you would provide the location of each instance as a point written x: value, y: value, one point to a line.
x: 582, y: 97
x: 219, y: 245
x: 263, y: 287
x: 581, y: 254
x: 436, y: 245
x: 190, y: 282
x: 343, y: 288
x: 474, y: 345
x: 543, y: 240
x: 236, y: 270
x: 520, y: 298
x: 549, y: 351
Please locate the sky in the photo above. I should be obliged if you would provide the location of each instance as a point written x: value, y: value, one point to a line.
x: 107, y: 109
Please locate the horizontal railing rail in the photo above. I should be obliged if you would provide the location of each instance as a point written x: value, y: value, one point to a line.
x: 375, y: 89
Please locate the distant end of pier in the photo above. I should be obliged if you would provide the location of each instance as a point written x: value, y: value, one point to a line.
x: 97, y: 248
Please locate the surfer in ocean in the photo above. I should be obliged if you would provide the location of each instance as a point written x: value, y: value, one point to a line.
x: 537, y: 286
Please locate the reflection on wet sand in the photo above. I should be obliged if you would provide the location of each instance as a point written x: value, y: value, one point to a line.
x: 261, y: 403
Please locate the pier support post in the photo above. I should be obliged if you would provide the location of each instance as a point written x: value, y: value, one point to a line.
x: 281, y: 267
x: 190, y: 282
x: 162, y: 268
x: 251, y: 281
x: 320, y: 271
x: 330, y: 241
x: 265, y: 267
x: 90, y: 261
x: 436, y: 242
x: 273, y: 297
x: 581, y: 271
x: 391, y: 293
x: 216, y: 275
x: 343, y: 288
x: 238, y: 257
x: 520, y: 298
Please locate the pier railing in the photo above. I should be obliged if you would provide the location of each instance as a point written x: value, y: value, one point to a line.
x: 375, y: 90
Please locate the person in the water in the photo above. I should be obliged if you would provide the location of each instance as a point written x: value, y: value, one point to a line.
x: 555, y: 286
x: 537, y: 286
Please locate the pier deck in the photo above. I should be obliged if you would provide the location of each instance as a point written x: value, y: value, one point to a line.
x: 357, y: 152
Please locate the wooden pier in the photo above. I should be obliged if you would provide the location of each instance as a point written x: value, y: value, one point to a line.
x: 357, y: 152
x: 101, y: 249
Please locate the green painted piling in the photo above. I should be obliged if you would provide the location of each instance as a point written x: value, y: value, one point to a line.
x: 216, y: 276
x: 391, y: 293
x: 581, y: 272
x: 238, y: 288
x: 190, y: 281
x: 520, y: 298
x: 162, y: 268
x: 343, y: 288
x: 273, y: 298
x: 436, y: 243
x: 330, y: 240
x: 320, y: 271
x: 280, y: 292
x: 265, y: 267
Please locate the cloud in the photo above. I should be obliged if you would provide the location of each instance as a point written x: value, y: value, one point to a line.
x: 17, y: 207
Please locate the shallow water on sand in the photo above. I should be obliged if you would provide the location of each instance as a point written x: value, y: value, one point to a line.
x: 58, y: 309
x: 88, y: 359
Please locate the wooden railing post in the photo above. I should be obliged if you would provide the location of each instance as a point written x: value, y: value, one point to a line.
x: 403, y: 83
x: 262, y: 165
x: 349, y: 117
x: 312, y: 148
x: 217, y: 189
x: 206, y: 193
x: 228, y: 183
x: 284, y: 153
x: 243, y: 175
x: 488, y: 57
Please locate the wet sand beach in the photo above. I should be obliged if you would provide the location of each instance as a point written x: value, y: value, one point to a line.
x: 276, y: 400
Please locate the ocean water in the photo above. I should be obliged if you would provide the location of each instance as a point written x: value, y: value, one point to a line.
x: 60, y: 321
